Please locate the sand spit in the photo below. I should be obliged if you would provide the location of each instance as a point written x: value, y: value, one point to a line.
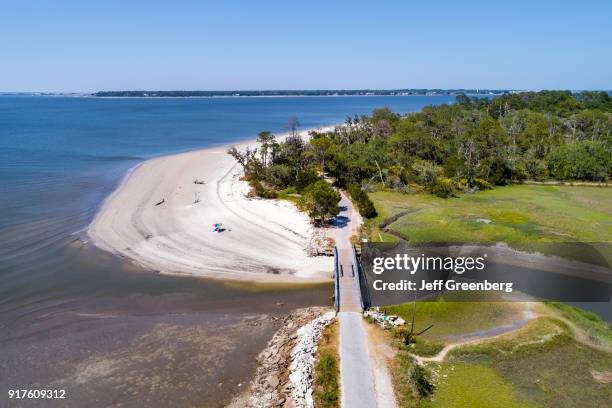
x: 162, y: 218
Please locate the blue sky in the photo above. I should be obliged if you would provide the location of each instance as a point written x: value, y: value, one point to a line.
x: 112, y: 45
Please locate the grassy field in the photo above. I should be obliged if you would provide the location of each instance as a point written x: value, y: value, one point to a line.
x: 512, y: 214
x: 327, y: 369
x: 541, y: 364
x: 598, y: 330
x: 467, y: 385
x: 544, y: 364
x: 457, y: 318
x: 406, y: 394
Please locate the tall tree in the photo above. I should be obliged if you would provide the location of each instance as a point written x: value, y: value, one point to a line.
x: 266, y: 138
x: 293, y: 125
x: 320, y: 201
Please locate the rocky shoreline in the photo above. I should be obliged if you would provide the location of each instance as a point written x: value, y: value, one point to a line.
x: 284, y: 375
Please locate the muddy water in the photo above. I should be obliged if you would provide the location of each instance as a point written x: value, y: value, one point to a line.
x: 111, y: 334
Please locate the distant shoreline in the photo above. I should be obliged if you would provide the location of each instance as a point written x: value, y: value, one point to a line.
x: 262, y: 94
x: 250, y: 96
x: 296, y: 93
x: 240, y: 96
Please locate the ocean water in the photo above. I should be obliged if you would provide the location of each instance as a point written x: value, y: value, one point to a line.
x: 75, y: 317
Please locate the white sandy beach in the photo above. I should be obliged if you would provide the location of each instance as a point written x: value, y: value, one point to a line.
x: 264, y: 240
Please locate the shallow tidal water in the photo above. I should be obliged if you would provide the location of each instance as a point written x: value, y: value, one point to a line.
x: 119, y: 335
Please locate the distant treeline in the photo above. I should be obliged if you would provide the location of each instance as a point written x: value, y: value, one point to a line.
x: 473, y: 144
x: 317, y: 92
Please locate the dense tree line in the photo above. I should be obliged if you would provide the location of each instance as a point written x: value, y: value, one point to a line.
x: 288, y: 167
x: 473, y: 144
x: 476, y: 143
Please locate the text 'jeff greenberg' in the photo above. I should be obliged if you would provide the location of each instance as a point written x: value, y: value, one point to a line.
x: 411, y: 264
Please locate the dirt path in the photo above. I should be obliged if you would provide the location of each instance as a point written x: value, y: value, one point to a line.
x: 381, y: 355
x: 485, y: 335
x: 579, y: 335
x: 481, y: 336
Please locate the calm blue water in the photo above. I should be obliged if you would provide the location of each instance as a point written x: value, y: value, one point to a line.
x: 60, y: 156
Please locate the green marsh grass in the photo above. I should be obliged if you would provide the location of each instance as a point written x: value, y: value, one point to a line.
x: 597, y: 329
x: 467, y: 385
x: 544, y: 364
x: 456, y: 318
x: 512, y: 214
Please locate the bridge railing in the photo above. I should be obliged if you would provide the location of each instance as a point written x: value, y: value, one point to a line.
x: 363, y: 282
x: 336, y: 280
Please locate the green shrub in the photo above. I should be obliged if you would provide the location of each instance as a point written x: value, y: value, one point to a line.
x: 462, y: 184
x: 425, y: 172
x: 482, y: 184
x: 258, y: 190
x: 327, y: 377
x: 306, y: 178
x: 420, y: 378
x: 584, y: 160
x: 290, y: 190
x: 442, y: 187
x: 500, y: 172
x: 320, y: 201
x: 360, y: 198
x: 422, y: 347
x: 279, y: 175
